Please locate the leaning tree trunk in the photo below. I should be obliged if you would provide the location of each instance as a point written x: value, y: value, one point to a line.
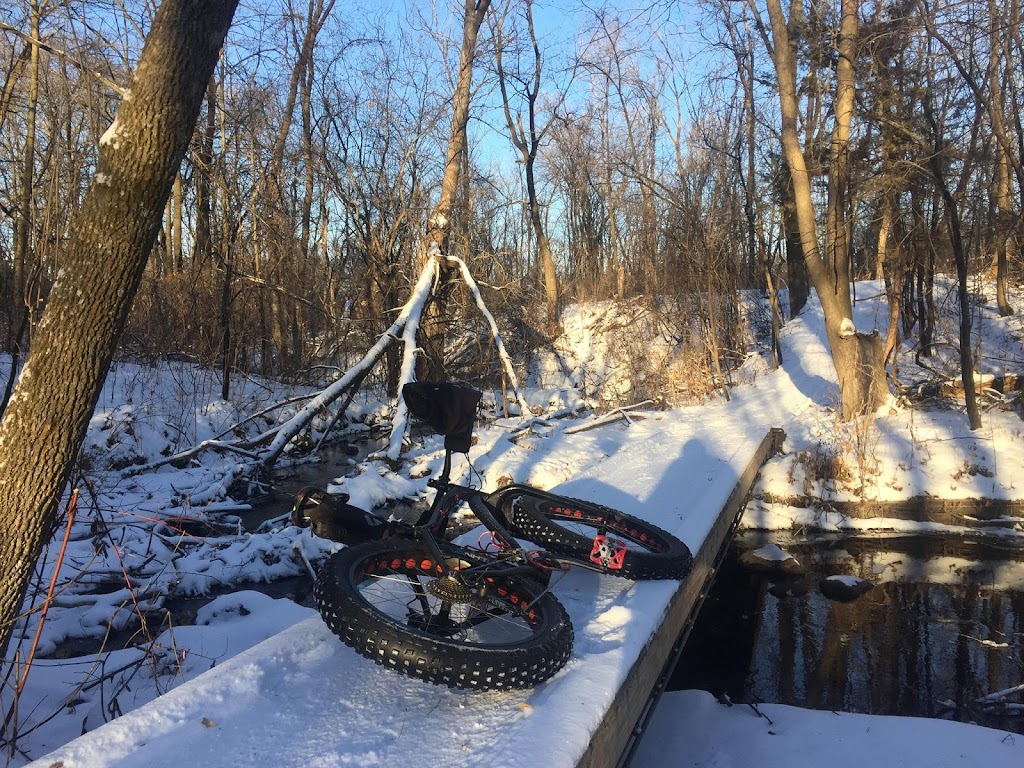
x: 439, y: 225
x: 857, y: 356
x: 109, y: 242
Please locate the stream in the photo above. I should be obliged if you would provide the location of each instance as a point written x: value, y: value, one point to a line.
x: 939, y: 633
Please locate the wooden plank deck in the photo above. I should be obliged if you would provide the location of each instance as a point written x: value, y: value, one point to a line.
x: 623, y: 724
x: 301, y: 697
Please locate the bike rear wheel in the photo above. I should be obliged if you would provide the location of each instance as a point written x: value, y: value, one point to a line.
x: 607, y: 540
x: 393, y: 602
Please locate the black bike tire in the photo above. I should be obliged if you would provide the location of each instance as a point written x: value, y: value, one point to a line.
x: 436, y: 659
x: 534, y: 515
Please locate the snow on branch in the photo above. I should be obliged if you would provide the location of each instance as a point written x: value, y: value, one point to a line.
x: 298, y: 422
x: 215, y: 445
x: 399, y: 422
x: 611, y: 417
x: 506, y: 361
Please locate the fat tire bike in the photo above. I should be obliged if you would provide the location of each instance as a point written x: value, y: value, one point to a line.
x: 476, y: 617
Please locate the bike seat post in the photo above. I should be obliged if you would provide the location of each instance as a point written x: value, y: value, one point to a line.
x: 441, y: 484
x: 446, y: 471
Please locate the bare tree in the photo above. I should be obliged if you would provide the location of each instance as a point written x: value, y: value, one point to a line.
x: 112, y: 235
x: 857, y: 356
x: 20, y: 304
x: 985, y: 80
x: 527, y: 138
x: 439, y: 225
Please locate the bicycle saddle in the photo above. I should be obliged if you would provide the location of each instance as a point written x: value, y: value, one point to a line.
x: 449, y: 408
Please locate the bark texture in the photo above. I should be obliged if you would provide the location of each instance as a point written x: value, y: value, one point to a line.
x: 857, y: 356
x: 111, y: 238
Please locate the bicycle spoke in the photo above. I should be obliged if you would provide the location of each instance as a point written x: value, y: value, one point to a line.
x: 484, y: 621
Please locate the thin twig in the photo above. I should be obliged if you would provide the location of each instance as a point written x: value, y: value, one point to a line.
x: 12, y: 713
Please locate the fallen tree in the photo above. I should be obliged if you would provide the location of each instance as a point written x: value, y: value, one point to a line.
x: 264, y: 449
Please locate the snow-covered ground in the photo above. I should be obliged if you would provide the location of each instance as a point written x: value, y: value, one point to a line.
x: 259, y: 681
x: 691, y: 728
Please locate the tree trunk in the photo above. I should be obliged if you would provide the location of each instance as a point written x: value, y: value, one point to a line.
x: 796, y: 266
x: 544, y: 252
x: 203, y: 249
x: 225, y: 323
x: 177, y: 253
x: 23, y: 226
x: 106, y: 251
x: 894, y: 275
x: 13, y: 75
x: 526, y: 139
x: 884, y: 227
x: 952, y: 213
x: 857, y: 356
x: 1004, y: 232
x: 757, y: 253
x: 1004, y: 163
x: 439, y: 225
x: 20, y: 311
x: 773, y: 301
x: 283, y: 248
x: 960, y: 255
x: 713, y: 346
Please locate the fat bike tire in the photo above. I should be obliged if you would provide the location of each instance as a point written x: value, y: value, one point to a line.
x: 566, y: 526
x: 391, y: 602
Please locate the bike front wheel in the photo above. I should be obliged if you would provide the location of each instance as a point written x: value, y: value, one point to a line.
x: 605, y: 539
x: 396, y: 604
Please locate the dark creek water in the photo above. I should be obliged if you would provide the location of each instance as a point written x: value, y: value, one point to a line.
x: 942, y: 629
x: 334, y: 462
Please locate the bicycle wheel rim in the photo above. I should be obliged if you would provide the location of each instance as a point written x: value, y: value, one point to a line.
x: 401, y: 640
x: 597, y: 537
x: 404, y: 588
x: 586, y: 522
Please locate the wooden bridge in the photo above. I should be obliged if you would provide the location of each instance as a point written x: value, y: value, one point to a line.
x: 301, y: 698
x: 624, y: 722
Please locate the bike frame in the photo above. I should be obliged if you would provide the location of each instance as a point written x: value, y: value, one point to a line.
x: 510, y: 558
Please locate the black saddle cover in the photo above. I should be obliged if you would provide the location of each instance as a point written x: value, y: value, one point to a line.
x: 447, y: 407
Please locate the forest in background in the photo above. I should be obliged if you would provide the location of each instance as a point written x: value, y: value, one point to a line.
x: 634, y: 147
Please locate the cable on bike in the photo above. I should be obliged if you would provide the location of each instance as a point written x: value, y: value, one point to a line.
x: 540, y: 559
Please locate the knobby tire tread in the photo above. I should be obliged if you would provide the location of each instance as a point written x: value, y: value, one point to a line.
x: 393, y: 644
x: 532, y: 516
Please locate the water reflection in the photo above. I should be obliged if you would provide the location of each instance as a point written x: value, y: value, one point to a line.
x: 319, y: 471
x: 940, y: 631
